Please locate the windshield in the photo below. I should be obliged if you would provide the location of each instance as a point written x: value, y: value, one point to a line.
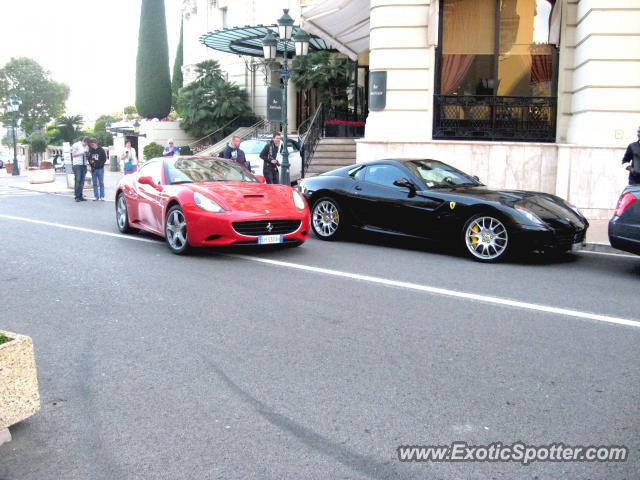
x: 253, y: 146
x: 437, y: 174
x: 187, y: 170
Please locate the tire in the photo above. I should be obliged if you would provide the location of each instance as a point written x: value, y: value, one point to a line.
x: 122, y: 214
x: 175, y: 231
x: 485, y: 238
x: 328, y: 221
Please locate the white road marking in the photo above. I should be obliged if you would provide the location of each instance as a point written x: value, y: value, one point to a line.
x: 610, y: 254
x: 505, y: 302
x: 80, y: 229
x: 7, y: 191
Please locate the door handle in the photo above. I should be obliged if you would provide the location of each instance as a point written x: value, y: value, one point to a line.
x: 358, y: 188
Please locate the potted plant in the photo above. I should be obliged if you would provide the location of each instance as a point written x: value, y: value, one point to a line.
x: 9, y: 167
x: 19, y: 397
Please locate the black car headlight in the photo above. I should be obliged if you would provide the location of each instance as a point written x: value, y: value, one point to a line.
x: 532, y: 217
x: 205, y: 203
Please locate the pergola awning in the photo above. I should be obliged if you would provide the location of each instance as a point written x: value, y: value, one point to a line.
x: 247, y: 41
x: 344, y: 24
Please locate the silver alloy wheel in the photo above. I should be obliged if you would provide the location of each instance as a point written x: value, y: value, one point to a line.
x: 326, y: 218
x: 486, y: 238
x: 121, y: 212
x: 176, y: 230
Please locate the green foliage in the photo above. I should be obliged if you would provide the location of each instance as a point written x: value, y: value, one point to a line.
x: 3, y: 338
x: 210, y: 103
x: 177, y: 80
x: 69, y: 128
x: 152, y: 150
x: 7, y: 140
x: 38, y: 142
x: 42, y: 98
x: 328, y: 72
x: 105, y: 139
x: 185, y: 150
x: 131, y: 112
x: 153, y: 83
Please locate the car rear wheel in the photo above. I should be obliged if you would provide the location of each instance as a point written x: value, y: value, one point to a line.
x: 122, y: 214
x: 327, y: 219
x: 175, y: 230
x: 486, y: 238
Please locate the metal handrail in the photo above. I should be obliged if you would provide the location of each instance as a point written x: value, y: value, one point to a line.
x: 309, y: 141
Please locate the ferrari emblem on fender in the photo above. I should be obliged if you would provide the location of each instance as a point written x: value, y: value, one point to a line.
x: 269, y: 227
x: 452, y: 205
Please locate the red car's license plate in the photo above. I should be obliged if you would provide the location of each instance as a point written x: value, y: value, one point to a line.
x: 267, y: 239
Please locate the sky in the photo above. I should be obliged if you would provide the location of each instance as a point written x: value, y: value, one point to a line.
x: 90, y: 45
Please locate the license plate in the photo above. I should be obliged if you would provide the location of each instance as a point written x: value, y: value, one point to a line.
x: 269, y: 239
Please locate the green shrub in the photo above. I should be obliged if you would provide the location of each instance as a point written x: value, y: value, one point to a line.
x: 152, y: 150
x: 185, y: 150
x: 3, y: 338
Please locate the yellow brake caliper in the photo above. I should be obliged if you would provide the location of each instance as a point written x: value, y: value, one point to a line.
x: 474, y: 238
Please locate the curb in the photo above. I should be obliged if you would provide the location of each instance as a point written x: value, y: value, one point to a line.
x: 602, y: 248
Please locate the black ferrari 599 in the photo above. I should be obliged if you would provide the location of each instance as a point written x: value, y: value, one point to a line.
x: 432, y: 200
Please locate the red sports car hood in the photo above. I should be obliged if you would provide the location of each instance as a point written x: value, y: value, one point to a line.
x: 249, y: 197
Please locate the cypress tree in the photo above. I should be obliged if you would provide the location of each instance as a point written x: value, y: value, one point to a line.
x: 177, y: 81
x: 153, y: 83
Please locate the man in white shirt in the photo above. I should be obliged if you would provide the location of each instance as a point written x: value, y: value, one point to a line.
x: 79, y: 164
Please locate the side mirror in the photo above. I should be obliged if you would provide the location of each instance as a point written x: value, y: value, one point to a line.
x: 149, y: 181
x: 476, y: 178
x: 405, y: 183
x: 261, y: 179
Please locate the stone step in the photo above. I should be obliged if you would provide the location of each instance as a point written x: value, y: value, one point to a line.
x: 336, y: 141
x: 332, y: 147
x: 325, y: 154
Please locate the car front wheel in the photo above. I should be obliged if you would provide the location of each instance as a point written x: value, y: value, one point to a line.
x: 486, y: 238
x: 175, y: 230
x: 122, y: 214
x: 327, y: 219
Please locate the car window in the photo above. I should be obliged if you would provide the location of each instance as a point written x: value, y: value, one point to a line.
x: 437, y: 174
x: 292, y: 146
x: 152, y: 169
x: 253, y: 147
x: 383, y: 174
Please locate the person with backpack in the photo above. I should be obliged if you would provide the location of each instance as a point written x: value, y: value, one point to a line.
x: 97, y: 159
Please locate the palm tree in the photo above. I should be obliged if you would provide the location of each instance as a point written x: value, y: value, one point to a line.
x: 69, y: 127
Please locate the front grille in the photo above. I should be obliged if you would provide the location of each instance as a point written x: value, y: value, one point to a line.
x: 266, y: 227
x: 565, y: 240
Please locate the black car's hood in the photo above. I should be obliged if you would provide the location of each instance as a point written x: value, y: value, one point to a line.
x: 549, y: 208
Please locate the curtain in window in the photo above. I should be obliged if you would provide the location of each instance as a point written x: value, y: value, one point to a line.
x: 454, y: 70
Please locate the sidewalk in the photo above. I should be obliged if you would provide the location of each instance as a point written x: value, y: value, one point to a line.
x: 59, y: 187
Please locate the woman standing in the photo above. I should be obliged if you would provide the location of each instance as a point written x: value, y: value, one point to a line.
x: 129, y: 158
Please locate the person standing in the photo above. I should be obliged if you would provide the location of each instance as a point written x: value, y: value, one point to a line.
x: 97, y: 159
x: 233, y: 152
x: 79, y: 152
x: 170, y: 150
x: 269, y: 156
x: 129, y: 159
x: 632, y: 156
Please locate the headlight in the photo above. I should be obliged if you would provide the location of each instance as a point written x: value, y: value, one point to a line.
x: 206, y: 203
x: 575, y: 209
x: 532, y: 217
x: 298, y: 200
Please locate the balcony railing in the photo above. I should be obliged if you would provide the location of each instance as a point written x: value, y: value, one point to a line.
x: 478, y: 117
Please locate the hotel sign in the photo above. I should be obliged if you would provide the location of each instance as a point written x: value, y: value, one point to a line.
x: 274, y: 104
x: 377, y: 90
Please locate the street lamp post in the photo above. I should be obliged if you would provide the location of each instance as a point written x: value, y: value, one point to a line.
x: 270, y: 48
x: 13, y: 107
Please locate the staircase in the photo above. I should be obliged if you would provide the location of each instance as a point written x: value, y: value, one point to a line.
x: 331, y: 153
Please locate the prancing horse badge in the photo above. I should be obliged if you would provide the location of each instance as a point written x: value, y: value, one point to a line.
x: 452, y: 205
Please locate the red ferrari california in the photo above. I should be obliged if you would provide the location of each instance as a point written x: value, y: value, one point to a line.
x: 209, y: 202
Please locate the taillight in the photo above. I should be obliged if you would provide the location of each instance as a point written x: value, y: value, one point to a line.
x: 624, y: 203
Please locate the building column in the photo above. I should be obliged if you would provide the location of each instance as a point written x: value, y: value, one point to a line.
x: 603, y: 78
x: 402, y: 43
x: 292, y: 102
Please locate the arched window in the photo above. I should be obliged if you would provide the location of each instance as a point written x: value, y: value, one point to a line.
x: 496, y: 75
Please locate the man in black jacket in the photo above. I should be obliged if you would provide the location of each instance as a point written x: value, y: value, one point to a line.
x: 269, y: 156
x: 235, y: 153
x: 633, y: 155
x: 97, y: 159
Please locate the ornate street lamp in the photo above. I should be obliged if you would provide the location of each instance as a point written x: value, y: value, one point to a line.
x: 270, y: 48
x: 13, y: 106
x: 136, y: 127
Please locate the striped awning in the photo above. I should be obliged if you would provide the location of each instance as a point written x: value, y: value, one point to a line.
x: 247, y: 41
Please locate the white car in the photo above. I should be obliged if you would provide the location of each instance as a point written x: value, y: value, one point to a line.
x: 253, y: 147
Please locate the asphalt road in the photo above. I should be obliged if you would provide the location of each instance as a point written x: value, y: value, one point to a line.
x: 217, y: 366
